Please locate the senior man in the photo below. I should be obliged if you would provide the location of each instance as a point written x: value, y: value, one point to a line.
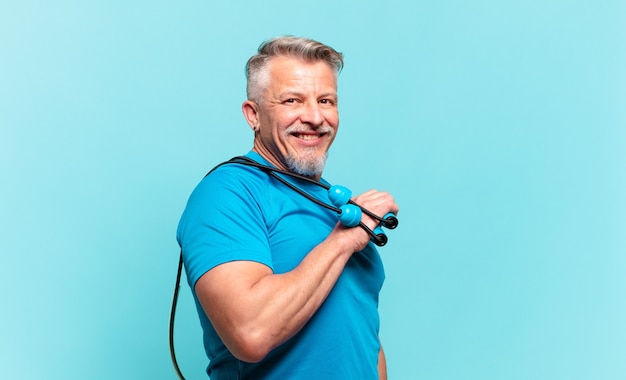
x: 283, y: 290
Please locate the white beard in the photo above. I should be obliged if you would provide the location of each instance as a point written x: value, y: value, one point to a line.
x: 310, y: 164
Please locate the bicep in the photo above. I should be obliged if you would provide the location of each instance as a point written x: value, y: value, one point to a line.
x: 223, y: 291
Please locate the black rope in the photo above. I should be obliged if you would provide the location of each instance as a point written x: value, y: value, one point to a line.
x: 173, y: 314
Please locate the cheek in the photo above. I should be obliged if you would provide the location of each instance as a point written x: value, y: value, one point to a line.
x: 282, y: 121
x: 287, y: 119
x: 332, y: 117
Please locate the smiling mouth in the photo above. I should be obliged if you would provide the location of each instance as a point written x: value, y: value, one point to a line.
x: 308, y: 136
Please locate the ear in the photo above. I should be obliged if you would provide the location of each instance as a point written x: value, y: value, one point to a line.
x: 251, y: 112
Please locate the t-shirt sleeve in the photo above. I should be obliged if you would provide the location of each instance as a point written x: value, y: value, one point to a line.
x: 223, y: 222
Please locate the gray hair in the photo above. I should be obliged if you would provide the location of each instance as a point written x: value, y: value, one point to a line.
x: 289, y: 46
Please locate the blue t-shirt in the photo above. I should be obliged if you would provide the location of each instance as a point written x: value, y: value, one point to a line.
x: 239, y: 212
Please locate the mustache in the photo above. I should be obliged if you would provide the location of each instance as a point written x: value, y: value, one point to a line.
x: 324, y: 129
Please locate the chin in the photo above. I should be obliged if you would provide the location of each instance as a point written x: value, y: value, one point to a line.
x: 307, y: 165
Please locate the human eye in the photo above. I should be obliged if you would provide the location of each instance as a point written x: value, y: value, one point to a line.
x: 328, y: 101
x: 290, y: 100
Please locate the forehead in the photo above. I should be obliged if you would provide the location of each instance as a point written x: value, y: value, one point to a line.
x: 285, y: 69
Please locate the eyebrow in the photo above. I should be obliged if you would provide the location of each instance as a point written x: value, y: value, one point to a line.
x: 294, y: 91
x: 331, y: 94
x: 288, y: 93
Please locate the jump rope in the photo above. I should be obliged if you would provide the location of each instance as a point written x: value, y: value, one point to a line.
x: 348, y: 211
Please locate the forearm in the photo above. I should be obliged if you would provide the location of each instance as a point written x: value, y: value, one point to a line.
x: 283, y: 303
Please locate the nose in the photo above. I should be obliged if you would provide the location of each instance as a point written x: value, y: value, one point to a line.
x: 312, y: 114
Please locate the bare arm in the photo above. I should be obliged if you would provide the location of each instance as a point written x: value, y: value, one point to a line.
x: 258, y: 310
x: 382, y: 364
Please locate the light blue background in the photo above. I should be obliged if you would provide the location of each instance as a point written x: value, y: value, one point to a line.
x: 500, y: 127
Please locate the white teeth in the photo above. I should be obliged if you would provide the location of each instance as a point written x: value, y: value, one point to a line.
x: 307, y: 137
